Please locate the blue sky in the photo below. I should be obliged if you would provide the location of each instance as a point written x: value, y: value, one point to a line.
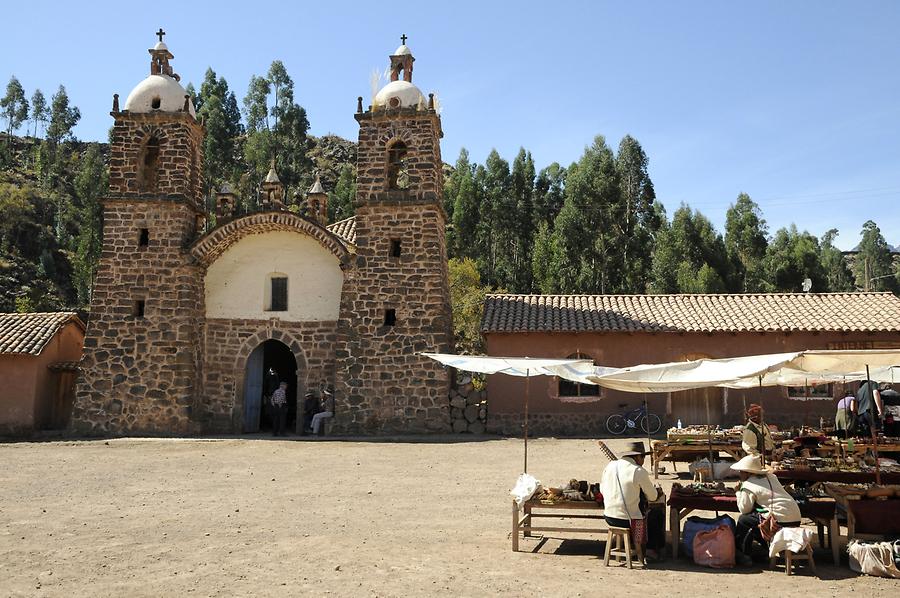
x: 795, y: 103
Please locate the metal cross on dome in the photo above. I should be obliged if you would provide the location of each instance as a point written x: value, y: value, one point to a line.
x: 160, y: 33
x: 403, y: 39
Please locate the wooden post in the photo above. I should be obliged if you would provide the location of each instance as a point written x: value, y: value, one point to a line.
x: 762, y: 425
x: 527, y: 389
x: 872, y: 426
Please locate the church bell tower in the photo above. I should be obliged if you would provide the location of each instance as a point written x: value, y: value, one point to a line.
x: 140, y: 360
x: 398, y: 303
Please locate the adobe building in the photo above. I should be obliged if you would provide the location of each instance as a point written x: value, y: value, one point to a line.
x: 39, y: 354
x: 185, y: 322
x: 626, y: 330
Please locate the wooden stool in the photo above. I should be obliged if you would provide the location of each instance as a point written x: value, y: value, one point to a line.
x: 618, y: 546
x: 790, y: 557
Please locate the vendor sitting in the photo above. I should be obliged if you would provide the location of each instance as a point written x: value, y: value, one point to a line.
x: 622, y: 483
x: 759, y: 490
x: 756, y: 436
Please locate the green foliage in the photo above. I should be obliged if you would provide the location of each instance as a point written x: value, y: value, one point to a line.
x: 549, y: 194
x: 40, y: 113
x: 873, y: 266
x: 689, y: 256
x: 340, y: 201
x: 746, y: 242
x: 838, y: 277
x: 217, y: 107
x: 91, y: 183
x: 14, y: 106
x: 467, y: 295
x: 791, y: 258
x: 63, y: 117
x: 640, y: 221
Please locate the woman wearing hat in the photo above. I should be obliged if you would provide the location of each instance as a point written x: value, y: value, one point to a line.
x: 757, y: 437
x: 622, y: 483
x: 760, y: 490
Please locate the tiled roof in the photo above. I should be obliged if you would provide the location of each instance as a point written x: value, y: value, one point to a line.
x: 29, y: 333
x: 345, y: 229
x: 845, y: 312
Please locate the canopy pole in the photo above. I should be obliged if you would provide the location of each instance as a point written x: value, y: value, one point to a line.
x: 762, y: 425
x: 872, y: 426
x: 527, y: 390
x: 712, y: 466
x: 647, y: 418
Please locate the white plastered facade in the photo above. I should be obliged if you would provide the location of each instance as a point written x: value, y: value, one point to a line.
x: 236, y: 284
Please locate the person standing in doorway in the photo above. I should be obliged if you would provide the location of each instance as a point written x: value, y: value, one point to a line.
x: 270, y: 385
x: 279, y: 409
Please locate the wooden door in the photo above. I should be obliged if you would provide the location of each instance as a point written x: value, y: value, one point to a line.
x: 253, y: 386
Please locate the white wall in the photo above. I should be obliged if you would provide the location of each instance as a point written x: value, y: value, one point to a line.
x: 236, y: 282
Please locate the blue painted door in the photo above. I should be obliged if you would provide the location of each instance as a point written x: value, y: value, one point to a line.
x: 253, y: 383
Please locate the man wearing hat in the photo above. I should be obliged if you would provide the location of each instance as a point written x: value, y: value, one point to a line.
x: 760, y: 490
x: 621, y: 485
x: 326, y: 412
x: 756, y: 437
x: 310, y: 408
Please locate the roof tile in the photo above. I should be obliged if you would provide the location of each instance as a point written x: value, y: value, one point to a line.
x: 844, y: 312
x: 27, y: 334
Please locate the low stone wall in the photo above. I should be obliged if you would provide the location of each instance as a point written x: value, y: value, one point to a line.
x: 468, y: 407
x: 548, y: 424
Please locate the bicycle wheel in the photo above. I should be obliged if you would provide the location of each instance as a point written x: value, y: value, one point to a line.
x: 615, y: 423
x: 651, y: 424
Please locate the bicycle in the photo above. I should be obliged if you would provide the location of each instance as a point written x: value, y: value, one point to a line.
x: 618, y: 423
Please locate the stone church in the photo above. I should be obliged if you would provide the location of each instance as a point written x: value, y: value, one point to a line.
x: 186, y: 320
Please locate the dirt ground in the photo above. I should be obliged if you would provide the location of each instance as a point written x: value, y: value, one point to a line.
x: 257, y: 517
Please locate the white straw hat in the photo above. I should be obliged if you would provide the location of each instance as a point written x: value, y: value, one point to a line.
x: 750, y: 464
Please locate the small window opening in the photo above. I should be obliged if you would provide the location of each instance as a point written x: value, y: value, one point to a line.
x: 144, y: 239
x: 150, y: 165
x: 396, y: 248
x: 395, y: 102
x: 390, y: 317
x: 279, y: 293
x: 139, y: 306
x: 155, y: 103
x: 397, y: 174
x: 574, y: 389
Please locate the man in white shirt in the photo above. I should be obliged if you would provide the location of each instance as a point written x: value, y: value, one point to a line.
x: 756, y: 437
x: 760, y: 489
x: 621, y: 485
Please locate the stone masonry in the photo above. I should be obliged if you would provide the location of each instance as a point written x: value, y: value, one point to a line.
x: 390, y: 387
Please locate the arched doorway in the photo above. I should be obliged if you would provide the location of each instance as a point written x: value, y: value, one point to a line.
x: 269, y: 363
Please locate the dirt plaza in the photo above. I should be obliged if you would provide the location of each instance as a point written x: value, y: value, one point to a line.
x: 257, y: 517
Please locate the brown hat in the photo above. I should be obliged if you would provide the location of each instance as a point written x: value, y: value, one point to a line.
x: 635, y: 449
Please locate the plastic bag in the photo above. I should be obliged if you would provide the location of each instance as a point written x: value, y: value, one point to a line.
x: 695, y: 524
x: 873, y: 558
x: 715, y: 548
x: 720, y: 470
x: 525, y: 488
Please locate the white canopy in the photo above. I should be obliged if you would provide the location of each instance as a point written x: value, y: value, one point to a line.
x: 778, y: 369
x: 577, y: 370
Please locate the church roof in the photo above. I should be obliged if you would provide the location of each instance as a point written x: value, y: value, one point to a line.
x: 317, y: 188
x: 28, y: 334
x: 158, y: 88
x: 272, y: 176
x: 769, y: 312
x: 345, y: 229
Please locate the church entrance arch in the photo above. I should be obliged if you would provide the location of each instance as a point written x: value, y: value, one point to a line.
x: 270, y: 363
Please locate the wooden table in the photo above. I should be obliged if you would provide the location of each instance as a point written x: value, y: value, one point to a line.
x: 588, y: 510
x: 844, y: 477
x: 662, y: 449
x: 822, y: 512
x: 860, y: 448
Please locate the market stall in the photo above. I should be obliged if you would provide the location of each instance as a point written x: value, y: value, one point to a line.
x: 718, y: 498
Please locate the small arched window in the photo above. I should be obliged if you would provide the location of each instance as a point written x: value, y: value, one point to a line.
x: 568, y: 388
x: 148, y: 177
x: 397, y: 175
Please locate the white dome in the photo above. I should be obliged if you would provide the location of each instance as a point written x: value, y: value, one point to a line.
x: 403, y: 50
x: 169, y: 92
x: 408, y: 95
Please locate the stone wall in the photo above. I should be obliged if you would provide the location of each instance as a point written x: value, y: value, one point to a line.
x: 468, y: 407
x: 140, y: 371
x: 180, y: 163
x: 548, y: 424
x: 384, y: 384
x: 228, y: 343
